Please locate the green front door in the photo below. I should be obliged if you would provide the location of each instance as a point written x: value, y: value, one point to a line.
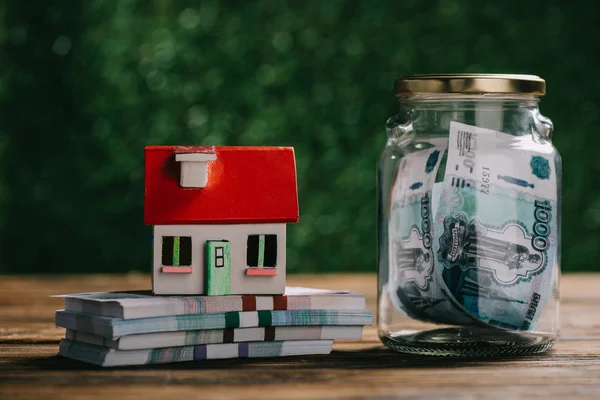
x: 218, y: 268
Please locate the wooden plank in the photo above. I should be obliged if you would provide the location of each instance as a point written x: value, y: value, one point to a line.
x: 29, y: 367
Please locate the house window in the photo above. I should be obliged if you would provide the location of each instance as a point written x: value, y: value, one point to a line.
x: 177, y: 251
x: 262, y: 251
x: 219, y: 257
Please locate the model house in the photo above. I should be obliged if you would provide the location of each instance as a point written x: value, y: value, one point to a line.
x: 219, y: 218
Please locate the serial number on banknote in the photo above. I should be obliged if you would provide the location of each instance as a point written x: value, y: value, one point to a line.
x: 467, y: 147
x: 485, y: 181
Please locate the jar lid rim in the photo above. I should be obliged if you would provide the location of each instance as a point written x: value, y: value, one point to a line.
x: 470, y: 84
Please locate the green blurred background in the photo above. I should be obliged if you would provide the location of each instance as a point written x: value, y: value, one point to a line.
x: 85, y: 85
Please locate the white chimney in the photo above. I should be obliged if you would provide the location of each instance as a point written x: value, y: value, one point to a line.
x: 194, y: 169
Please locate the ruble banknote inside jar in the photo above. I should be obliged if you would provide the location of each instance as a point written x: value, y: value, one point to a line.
x: 469, y: 211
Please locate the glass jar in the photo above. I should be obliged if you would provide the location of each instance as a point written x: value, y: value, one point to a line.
x: 469, y: 218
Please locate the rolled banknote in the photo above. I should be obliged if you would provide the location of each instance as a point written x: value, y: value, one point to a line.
x: 413, y: 286
x: 496, y: 225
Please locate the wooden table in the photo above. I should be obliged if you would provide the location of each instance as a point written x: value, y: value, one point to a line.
x: 30, y: 368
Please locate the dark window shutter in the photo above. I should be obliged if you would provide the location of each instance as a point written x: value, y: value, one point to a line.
x: 270, y: 250
x: 252, y: 251
x: 185, y: 251
x: 167, y: 250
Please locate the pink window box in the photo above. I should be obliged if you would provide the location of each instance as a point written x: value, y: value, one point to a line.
x: 261, y: 271
x: 176, y: 270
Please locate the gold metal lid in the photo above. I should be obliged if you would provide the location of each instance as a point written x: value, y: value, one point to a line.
x: 470, y: 84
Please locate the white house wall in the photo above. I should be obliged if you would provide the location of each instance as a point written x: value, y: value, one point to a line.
x: 237, y: 235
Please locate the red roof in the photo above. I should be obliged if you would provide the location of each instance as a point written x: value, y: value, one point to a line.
x: 245, y: 185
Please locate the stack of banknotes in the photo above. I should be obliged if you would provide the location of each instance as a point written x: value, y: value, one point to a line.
x: 134, y: 328
x: 473, y: 229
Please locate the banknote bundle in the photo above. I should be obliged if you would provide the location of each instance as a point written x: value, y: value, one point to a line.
x: 473, y: 229
x: 132, y: 328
